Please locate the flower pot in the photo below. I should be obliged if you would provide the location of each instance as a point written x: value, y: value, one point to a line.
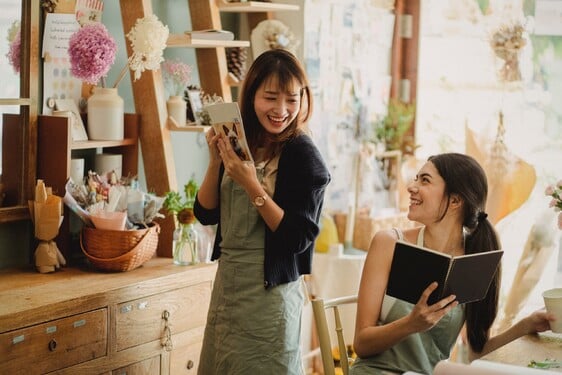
x: 177, y: 109
x: 106, y: 115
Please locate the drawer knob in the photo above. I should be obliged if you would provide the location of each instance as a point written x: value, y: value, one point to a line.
x: 52, y: 345
x: 190, y: 364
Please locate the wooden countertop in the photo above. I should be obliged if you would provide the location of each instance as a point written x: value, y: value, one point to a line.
x: 536, y: 347
x: 59, y: 294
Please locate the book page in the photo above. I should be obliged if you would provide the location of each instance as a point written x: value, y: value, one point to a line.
x: 470, y: 275
x: 226, y: 120
x: 413, y: 269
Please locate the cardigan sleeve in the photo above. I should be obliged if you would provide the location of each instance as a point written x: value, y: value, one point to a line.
x: 301, y: 182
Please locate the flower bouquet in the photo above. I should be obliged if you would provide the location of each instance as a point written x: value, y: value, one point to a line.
x: 14, y: 41
x: 555, y: 192
x: 506, y: 42
x: 177, y: 76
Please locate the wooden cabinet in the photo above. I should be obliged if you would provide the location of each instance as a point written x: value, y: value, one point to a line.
x: 56, y: 149
x: 76, y: 321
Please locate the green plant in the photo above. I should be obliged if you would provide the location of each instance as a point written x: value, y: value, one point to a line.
x: 182, y: 206
x: 391, y: 128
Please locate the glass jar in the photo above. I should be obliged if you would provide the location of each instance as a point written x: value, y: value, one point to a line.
x: 185, y: 244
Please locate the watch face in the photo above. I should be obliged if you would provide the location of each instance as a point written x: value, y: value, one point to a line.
x: 259, y: 201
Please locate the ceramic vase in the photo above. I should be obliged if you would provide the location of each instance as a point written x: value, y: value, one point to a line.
x: 105, y: 115
x: 177, y: 109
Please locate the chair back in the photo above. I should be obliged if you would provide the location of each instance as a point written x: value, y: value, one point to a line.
x: 319, y: 307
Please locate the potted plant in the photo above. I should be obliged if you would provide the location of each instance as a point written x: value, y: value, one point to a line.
x: 186, y: 238
x: 391, y: 129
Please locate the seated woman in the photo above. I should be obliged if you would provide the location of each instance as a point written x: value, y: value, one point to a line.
x: 448, y: 196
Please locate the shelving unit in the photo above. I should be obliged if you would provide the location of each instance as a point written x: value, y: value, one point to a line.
x: 148, y: 92
x: 56, y: 148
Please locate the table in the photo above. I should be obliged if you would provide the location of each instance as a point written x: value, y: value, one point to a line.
x: 536, y: 347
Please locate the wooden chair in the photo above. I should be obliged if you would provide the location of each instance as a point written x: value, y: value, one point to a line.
x: 319, y: 307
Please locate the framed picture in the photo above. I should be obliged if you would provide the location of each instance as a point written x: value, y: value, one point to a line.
x: 194, y: 106
x: 78, y: 129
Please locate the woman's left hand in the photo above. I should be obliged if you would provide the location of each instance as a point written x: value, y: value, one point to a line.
x: 243, y: 173
x: 538, y: 321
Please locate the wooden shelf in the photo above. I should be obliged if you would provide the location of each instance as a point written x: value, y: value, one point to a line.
x: 254, y: 6
x: 189, y: 127
x: 15, y: 101
x: 185, y: 40
x: 84, y: 145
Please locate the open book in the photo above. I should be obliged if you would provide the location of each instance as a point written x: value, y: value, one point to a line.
x: 226, y: 119
x: 466, y: 276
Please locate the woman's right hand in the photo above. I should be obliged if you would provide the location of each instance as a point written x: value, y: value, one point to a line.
x: 423, y: 316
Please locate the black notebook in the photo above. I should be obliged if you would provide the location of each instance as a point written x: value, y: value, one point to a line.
x: 466, y: 276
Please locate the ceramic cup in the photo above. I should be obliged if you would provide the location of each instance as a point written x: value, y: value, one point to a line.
x: 553, y: 304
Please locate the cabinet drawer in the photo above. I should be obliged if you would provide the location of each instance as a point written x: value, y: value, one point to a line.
x: 141, y: 321
x: 185, y: 360
x: 150, y: 366
x: 54, y: 345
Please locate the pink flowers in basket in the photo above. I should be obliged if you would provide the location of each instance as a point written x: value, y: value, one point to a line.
x: 555, y: 191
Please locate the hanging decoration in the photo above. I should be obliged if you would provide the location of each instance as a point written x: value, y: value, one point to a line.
x: 507, y: 42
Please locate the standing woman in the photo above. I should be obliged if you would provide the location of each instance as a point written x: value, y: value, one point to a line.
x: 267, y: 215
x: 448, y: 197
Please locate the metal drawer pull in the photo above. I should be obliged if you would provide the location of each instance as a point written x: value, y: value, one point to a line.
x: 51, y: 329
x: 52, y: 345
x: 166, y: 340
x: 18, y: 339
x: 79, y: 323
x: 190, y: 364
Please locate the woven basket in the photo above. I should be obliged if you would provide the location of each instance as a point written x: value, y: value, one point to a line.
x: 119, y: 250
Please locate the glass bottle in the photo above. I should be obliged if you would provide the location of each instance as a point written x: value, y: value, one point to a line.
x: 185, y: 243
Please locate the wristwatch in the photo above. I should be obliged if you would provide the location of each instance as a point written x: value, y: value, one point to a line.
x: 259, y: 201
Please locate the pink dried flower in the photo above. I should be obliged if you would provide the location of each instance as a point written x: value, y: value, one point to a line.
x: 177, y: 75
x: 14, y: 53
x: 92, y: 52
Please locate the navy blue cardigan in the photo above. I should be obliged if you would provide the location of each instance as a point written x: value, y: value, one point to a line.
x: 301, y: 181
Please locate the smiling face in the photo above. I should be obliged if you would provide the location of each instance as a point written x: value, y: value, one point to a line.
x: 427, y: 195
x: 275, y: 108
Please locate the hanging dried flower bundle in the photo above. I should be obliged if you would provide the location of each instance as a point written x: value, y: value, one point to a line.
x: 506, y: 42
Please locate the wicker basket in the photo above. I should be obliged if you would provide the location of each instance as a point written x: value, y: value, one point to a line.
x: 119, y: 250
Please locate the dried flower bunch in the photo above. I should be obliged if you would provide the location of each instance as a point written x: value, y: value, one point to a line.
x: 177, y: 75
x: 278, y: 35
x: 506, y: 42
x: 92, y: 52
x: 148, y: 39
x: 14, y: 41
x: 92, y: 49
x: 555, y: 192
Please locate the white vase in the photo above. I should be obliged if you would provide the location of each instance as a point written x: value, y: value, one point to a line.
x: 105, y: 115
x: 177, y: 108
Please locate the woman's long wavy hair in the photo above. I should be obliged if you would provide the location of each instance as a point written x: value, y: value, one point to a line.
x: 283, y: 69
x: 464, y: 177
